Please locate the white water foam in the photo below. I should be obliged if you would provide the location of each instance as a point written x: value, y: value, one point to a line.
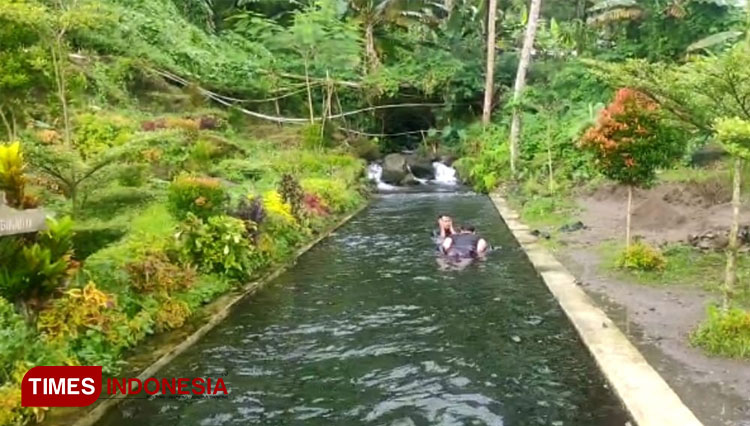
x: 374, y: 173
x: 444, y: 175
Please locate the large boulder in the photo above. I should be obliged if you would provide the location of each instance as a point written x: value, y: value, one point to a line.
x: 394, y: 169
x: 421, y: 166
x: 409, y: 180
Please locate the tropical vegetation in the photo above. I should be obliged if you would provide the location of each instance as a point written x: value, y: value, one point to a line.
x: 185, y: 147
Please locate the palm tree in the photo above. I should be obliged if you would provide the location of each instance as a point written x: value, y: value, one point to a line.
x: 523, y: 65
x: 490, y: 74
x: 373, y: 13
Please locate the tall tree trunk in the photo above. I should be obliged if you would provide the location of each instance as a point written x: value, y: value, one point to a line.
x: 549, y: 157
x: 628, y: 214
x: 731, y: 273
x: 373, y: 62
x: 10, y: 129
x: 58, y: 67
x: 523, y: 65
x: 490, y: 73
x: 448, y: 4
x: 309, y: 93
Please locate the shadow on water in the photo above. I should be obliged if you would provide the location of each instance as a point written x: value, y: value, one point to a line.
x: 368, y: 329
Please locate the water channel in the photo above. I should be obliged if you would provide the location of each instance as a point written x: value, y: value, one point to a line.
x: 370, y: 329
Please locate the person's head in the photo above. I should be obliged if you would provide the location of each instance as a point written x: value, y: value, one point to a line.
x: 445, y: 221
x: 468, y: 229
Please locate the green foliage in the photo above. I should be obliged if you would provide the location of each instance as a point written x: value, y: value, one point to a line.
x: 155, y: 272
x: 734, y: 135
x: 94, y: 328
x: 201, y: 196
x: 220, y: 61
x: 641, y: 257
x: 33, y: 268
x: 725, y: 333
x: 696, y: 93
x: 89, y: 240
x: 12, y: 179
x: 239, y: 170
x: 133, y: 175
x: 488, y: 161
x: 315, y: 136
x: 221, y: 245
x: 292, y: 194
x: 97, y: 132
x: 24, y: 60
x: 337, y: 195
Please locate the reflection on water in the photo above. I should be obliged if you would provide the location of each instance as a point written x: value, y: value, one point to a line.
x: 368, y: 329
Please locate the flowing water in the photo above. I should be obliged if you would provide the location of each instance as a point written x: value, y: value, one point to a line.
x: 369, y: 328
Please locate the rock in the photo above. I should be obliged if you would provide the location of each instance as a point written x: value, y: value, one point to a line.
x: 421, y: 167
x: 572, y: 227
x: 447, y: 159
x: 540, y: 234
x: 409, y: 179
x: 395, y: 169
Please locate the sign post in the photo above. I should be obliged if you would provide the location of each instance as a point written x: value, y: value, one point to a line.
x: 14, y: 221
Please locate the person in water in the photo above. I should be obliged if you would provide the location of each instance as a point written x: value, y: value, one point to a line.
x: 464, y: 244
x: 445, y: 226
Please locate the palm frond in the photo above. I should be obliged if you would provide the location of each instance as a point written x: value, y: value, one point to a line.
x: 620, y: 14
x: 713, y: 40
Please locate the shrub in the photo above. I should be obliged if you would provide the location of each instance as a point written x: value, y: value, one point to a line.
x: 239, y: 170
x: 206, y: 288
x: 274, y: 204
x: 91, y: 324
x: 314, y: 136
x: 186, y: 124
x: 89, y: 240
x: 220, y: 244
x: 34, y: 267
x: 251, y: 213
x: 12, y: 179
x: 95, y: 133
x: 156, y: 273
x: 725, y: 333
x: 171, y: 314
x: 641, y: 257
x: 133, y: 175
x: 366, y: 149
x: 336, y: 194
x: 489, y: 164
x: 200, y: 196
x: 202, y: 153
x: 631, y: 139
x: 315, y: 205
x: 292, y: 194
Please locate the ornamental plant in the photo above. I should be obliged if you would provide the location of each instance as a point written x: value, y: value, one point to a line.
x: 33, y: 268
x: 12, y: 179
x: 201, y: 196
x: 734, y: 135
x: 219, y: 244
x: 630, y: 141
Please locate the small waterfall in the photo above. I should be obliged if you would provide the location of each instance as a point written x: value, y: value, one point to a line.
x: 374, y: 173
x: 444, y: 175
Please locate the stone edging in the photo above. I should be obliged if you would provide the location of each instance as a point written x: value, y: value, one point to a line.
x: 96, y: 414
x: 647, y: 397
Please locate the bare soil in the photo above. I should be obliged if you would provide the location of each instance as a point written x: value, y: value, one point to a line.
x: 659, y: 319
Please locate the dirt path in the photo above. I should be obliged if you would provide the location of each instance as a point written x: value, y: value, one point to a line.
x: 659, y: 319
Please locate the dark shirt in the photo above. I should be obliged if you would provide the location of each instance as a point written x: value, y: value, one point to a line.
x: 464, y: 245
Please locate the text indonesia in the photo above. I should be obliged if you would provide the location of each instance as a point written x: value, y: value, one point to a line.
x: 80, y: 386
